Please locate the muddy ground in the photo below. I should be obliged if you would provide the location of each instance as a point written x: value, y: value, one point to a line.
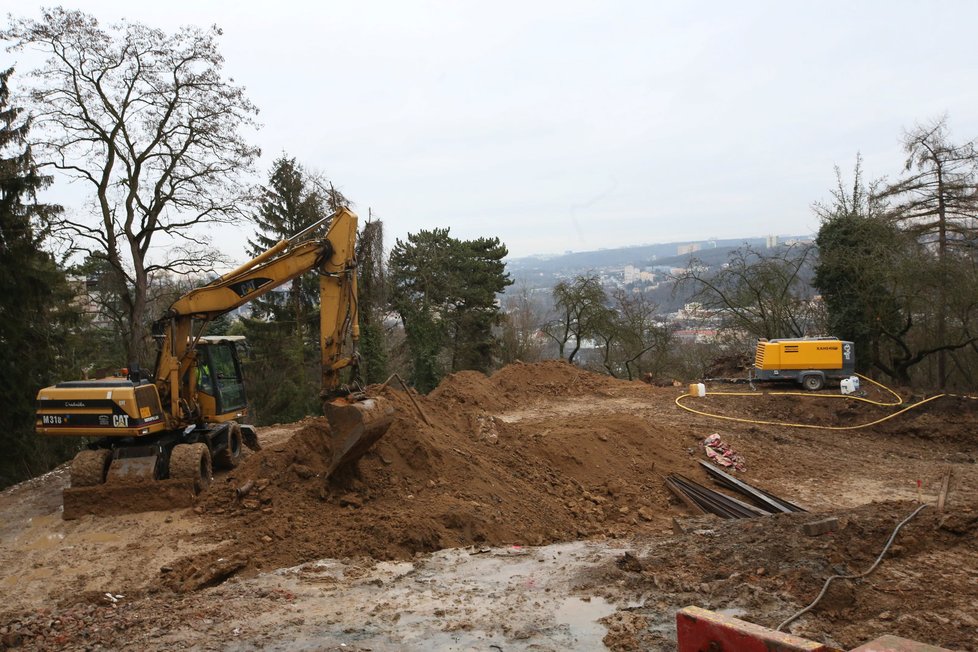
x: 526, y: 511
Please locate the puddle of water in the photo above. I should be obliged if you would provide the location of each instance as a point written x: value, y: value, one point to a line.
x: 394, y: 567
x: 46, y: 542
x: 95, y: 537
x: 581, y: 616
x: 391, y: 570
x: 61, y: 540
x: 450, y: 601
x: 29, y: 576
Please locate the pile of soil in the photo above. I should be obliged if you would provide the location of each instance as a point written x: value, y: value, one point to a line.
x: 465, y: 473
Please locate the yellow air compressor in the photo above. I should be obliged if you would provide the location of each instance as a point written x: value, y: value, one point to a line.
x: 806, y: 360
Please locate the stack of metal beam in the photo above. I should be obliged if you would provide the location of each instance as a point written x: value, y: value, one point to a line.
x: 764, y: 499
x: 707, y: 501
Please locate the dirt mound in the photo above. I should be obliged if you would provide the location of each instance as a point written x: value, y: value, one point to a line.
x: 468, y: 387
x: 553, y: 378
x: 473, y: 474
x: 517, y: 384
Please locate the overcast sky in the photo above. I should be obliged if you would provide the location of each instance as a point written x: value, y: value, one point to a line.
x: 579, y: 125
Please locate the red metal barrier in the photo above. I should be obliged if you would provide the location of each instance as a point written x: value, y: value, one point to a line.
x: 702, y: 630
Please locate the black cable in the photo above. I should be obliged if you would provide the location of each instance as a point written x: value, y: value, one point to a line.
x: 853, y: 577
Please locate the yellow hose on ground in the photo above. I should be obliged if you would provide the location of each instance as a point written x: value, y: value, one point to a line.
x: 899, y: 401
x: 786, y: 424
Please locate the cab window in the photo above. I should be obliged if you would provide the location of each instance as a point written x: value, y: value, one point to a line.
x: 227, y: 377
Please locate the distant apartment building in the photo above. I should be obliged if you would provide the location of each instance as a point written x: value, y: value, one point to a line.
x: 632, y: 274
x: 795, y: 241
x: 685, y: 249
x: 771, y: 242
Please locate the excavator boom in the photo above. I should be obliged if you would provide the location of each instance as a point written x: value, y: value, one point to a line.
x: 333, y: 256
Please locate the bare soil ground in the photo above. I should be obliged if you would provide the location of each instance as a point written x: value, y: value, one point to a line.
x: 500, y: 519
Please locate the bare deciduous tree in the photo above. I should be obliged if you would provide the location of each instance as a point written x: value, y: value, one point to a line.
x: 580, y: 310
x: 763, y: 295
x: 147, y: 121
x: 644, y: 343
x: 937, y: 199
x: 522, y: 320
x: 937, y: 202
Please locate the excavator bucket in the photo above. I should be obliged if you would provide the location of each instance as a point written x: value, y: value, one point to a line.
x: 355, y: 425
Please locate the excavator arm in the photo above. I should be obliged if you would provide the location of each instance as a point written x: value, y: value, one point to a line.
x: 333, y: 256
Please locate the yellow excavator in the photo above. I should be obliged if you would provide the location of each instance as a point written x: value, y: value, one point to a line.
x: 188, y: 414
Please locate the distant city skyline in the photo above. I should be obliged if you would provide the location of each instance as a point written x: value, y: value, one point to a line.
x: 686, y: 247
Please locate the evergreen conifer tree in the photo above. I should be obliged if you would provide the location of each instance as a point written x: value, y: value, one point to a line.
x: 373, y: 304
x: 283, y: 366
x: 35, y: 306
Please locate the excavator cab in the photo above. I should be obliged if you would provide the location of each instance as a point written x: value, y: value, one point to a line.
x: 220, y: 383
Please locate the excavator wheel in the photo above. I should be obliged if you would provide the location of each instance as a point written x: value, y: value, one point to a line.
x: 354, y: 426
x: 88, y: 467
x: 191, y: 462
x: 228, y: 458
